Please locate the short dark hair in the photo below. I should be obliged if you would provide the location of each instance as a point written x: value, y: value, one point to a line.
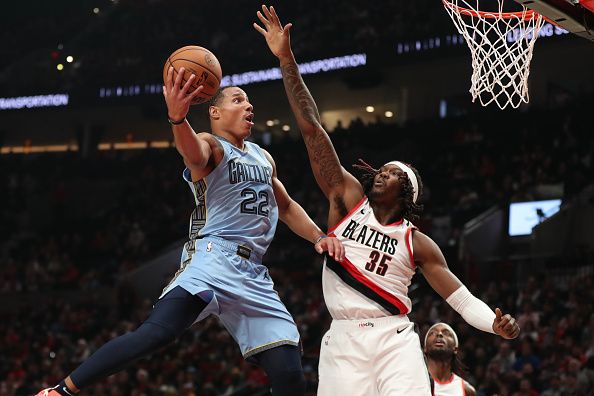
x: 217, y: 97
x: 411, y: 211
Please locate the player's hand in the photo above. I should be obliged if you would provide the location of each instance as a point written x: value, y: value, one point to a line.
x: 331, y: 245
x: 505, y: 325
x: 178, y: 97
x: 277, y: 37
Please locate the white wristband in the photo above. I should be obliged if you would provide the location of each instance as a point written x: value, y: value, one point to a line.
x: 475, y: 312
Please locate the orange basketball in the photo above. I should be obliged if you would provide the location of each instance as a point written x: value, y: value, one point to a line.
x: 201, y: 62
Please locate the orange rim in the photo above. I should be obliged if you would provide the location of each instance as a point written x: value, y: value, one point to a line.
x: 526, y: 15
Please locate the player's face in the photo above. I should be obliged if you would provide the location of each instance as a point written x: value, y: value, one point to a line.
x: 388, y: 181
x: 236, y: 112
x: 440, y: 338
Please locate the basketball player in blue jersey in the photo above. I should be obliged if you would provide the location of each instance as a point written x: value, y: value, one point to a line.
x: 371, y: 348
x: 238, y: 202
x: 445, y: 367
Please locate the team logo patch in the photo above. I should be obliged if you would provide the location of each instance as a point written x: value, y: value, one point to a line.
x: 209, y: 246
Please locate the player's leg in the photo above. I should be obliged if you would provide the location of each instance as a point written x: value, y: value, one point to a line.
x: 282, y: 364
x: 344, y: 367
x: 172, y: 314
x: 400, y: 366
x: 263, y: 328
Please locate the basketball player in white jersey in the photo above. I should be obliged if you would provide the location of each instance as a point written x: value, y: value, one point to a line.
x: 371, y: 347
x: 445, y: 367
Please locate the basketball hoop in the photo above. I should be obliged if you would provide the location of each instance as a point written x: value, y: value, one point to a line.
x: 501, y: 44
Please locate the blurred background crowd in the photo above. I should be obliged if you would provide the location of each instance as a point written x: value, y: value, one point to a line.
x: 126, y: 41
x: 73, y: 227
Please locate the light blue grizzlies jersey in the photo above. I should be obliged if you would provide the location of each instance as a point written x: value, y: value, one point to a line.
x: 236, y: 201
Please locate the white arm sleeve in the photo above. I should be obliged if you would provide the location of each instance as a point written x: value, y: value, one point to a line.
x: 475, y: 312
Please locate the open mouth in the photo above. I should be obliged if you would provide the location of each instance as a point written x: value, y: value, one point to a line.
x: 250, y: 119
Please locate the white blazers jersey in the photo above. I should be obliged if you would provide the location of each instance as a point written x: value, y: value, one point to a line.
x: 453, y: 387
x: 372, y: 281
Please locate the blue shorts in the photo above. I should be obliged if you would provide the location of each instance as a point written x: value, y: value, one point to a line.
x: 243, y: 294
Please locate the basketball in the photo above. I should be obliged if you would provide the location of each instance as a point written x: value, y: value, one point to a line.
x: 200, y: 62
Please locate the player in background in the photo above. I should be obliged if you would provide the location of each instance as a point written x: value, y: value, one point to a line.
x: 444, y: 364
x: 371, y: 347
x: 238, y: 202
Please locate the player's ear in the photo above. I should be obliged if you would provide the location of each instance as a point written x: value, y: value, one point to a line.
x: 214, y: 113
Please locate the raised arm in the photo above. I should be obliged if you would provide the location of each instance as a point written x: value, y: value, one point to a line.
x: 332, y: 178
x: 196, y: 149
x: 295, y: 217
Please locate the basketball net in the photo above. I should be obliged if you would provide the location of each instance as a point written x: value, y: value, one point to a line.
x: 501, y: 44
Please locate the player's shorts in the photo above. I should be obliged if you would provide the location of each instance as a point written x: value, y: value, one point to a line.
x: 243, y: 293
x: 372, y: 357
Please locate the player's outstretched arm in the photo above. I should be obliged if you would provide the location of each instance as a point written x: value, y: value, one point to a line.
x: 332, y: 178
x: 195, y: 150
x: 295, y: 217
x: 475, y: 312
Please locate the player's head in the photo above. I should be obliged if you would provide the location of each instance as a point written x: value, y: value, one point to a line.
x: 441, y: 344
x: 396, y: 182
x: 230, y: 111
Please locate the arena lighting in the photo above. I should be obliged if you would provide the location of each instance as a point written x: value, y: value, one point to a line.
x: 246, y: 78
x: 286, y: 128
x: 38, y: 149
x: 389, y: 114
x: 269, y: 123
x: 29, y: 102
x: 96, y: 10
x: 161, y: 144
x: 69, y: 59
x: 406, y: 47
x: 547, y: 30
x: 60, y: 67
x: 370, y: 109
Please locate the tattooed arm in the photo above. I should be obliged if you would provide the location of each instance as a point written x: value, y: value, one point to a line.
x: 342, y: 189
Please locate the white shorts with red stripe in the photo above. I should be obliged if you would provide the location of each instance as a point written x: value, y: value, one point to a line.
x: 372, y: 357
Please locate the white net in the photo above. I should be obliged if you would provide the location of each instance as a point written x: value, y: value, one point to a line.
x: 501, y: 44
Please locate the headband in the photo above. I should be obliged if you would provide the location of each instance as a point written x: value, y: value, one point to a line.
x: 447, y: 326
x: 411, y: 176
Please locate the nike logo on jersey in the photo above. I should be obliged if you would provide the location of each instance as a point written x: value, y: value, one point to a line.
x: 400, y: 330
x: 369, y: 237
